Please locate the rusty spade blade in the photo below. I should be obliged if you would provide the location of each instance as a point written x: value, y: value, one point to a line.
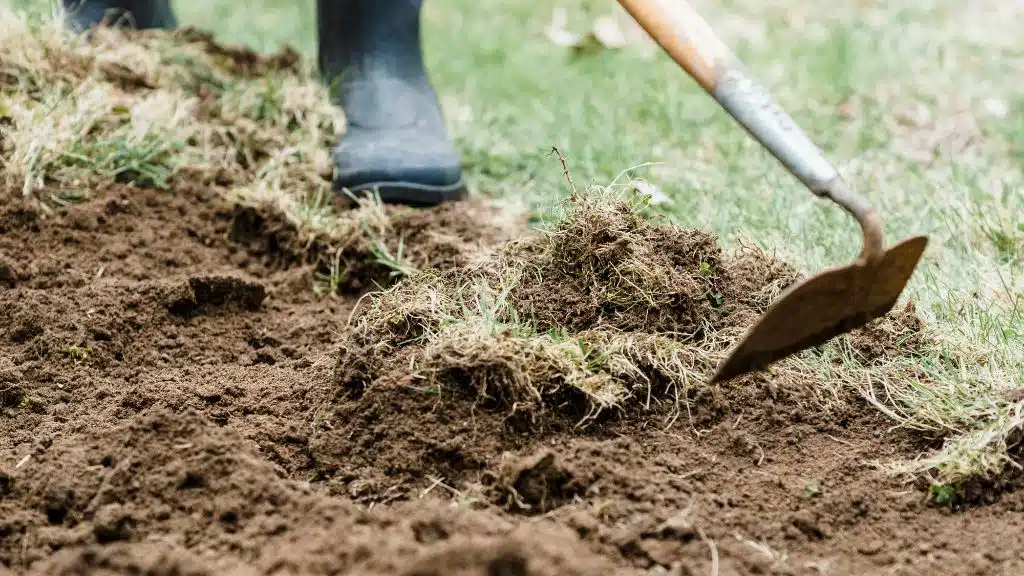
x: 814, y: 310
x: 833, y: 302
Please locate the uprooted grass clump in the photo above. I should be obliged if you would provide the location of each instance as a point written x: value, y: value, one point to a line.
x: 603, y: 309
x: 603, y: 264
x: 457, y: 334
x: 162, y: 109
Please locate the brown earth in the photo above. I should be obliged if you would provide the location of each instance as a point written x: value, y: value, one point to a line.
x: 169, y: 405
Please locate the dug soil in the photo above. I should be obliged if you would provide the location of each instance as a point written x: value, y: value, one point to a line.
x: 170, y: 404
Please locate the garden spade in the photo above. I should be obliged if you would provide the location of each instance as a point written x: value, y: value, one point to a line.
x: 816, y: 309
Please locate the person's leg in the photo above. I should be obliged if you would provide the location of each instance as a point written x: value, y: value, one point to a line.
x: 83, y: 14
x: 396, y: 141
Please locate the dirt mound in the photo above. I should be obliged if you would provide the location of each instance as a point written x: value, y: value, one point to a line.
x: 603, y: 309
x: 462, y: 350
x: 605, y: 265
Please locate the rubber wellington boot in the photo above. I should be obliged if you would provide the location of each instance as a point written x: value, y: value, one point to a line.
x: 84, y: 14
x: 396, y: 141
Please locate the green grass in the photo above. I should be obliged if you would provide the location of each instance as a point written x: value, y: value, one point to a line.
x: 901, y: 95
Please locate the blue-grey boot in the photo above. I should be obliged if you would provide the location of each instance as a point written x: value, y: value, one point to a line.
x: 84, y: 14
x: 396, y: 142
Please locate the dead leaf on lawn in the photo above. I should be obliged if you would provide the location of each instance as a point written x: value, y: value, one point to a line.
x: 557, y: 32
x: 608, y: 31
x: 996, y: 107
x: 615, y: 30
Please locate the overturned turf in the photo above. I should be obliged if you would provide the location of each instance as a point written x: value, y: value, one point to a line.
x: 604, y: 309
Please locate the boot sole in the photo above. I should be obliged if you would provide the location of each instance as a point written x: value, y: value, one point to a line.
x: 407, y: 193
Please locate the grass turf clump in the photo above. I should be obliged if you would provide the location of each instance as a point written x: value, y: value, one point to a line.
x: 519, y: 369
x: 603, y: 264
x: 601, y: 310
x: 461, y: 337
x: 955, y: 391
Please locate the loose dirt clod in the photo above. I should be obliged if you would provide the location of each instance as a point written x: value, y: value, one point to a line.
x: 899, y: 334
x: 205, y: 293
x: 540, y: 484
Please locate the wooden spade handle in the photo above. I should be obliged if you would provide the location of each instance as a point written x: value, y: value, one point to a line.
x: 691, y: 42
x: 684, y: 35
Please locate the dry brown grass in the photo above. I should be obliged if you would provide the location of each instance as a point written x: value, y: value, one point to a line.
x: 148, y: 107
